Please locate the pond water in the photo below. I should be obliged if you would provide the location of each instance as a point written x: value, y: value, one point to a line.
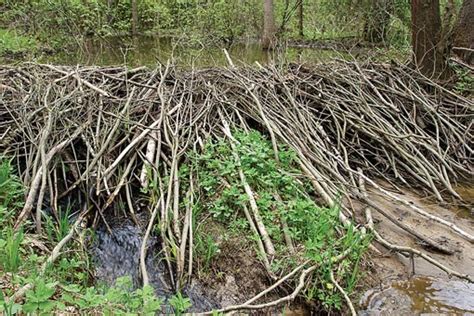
x: 150, y: 50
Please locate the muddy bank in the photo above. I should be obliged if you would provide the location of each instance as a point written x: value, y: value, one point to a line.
x: 401, y: 285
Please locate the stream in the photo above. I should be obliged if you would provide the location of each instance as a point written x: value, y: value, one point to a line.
x: 420, y: 295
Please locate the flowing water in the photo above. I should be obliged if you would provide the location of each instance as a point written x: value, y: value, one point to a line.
x: 118, y: 254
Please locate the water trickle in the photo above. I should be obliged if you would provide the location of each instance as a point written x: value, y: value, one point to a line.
x: 118, y: 254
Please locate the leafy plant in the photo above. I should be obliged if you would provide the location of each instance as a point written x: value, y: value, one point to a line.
x: 11, y: 192
x: 10, y: 308
x: 38, y: 299
x: 180, y: 303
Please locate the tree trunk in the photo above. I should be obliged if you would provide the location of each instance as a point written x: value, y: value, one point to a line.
x: 301, y: 18
x: 134, y: 17
x: 269, y: 29
x: 377, y: 21
x: 463, y: 44
x: 428, y: 54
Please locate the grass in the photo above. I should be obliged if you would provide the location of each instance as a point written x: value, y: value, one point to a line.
x: 11, y: 42
x: 10, y: 245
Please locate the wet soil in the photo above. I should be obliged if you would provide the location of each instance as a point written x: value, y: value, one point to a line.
x: 235, y: 274
x: 395, y: 288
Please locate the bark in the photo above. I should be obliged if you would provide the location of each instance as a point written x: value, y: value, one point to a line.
x: 463, y: 44
x: 429, y: 54
x: 134, y: 17
x: 377, y: 21
x: 269, y: 29
x: 301, y: 18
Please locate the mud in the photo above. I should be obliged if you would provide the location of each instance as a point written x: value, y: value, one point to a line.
x: 395, y: 288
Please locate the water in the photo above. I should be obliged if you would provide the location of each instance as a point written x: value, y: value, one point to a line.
x: 118, y: 254
x: 150, y: 50
x: 420, y: 295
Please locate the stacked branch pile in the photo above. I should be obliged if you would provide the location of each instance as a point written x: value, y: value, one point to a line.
x: 98, y: 135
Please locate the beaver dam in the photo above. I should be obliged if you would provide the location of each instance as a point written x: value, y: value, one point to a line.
x: 242, y: 188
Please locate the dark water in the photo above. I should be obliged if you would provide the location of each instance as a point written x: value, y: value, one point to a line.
x: 118, y: 254
x: 149, y: 50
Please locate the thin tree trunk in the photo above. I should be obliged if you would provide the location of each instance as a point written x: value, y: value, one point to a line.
x: 428, y: 55
x: 301, y: 18
x: 463, y: 44
x: 134, y: 17
x: 269, y: 29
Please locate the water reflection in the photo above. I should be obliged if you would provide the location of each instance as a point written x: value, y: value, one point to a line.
x: 149, y: 50
x: 421, y: 295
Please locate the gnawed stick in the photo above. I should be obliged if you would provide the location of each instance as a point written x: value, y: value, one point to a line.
x: 424, y: 239
x: 149, y: 158
x: 346, y: 297
x: 143, y: 247
x: 286, y: 230
x: 420, y: 211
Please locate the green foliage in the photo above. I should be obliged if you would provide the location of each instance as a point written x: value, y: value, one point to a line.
x: 10, y: 308
x: 38, y: 300
x: 11, y: 192
x: 180, y: 303
x: 465, y: 80
x: 14, y: 43
x: 282, y: 193
x: 206, y: 249
x: 10, y: 243
x: 57, y: 230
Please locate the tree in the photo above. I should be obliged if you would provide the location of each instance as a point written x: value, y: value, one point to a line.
x: 377, y: 20
x: 429, y: 52
x: 269, y: 29
x: 301, y: 18
x: 463, y: 44
x: 134, y: 17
